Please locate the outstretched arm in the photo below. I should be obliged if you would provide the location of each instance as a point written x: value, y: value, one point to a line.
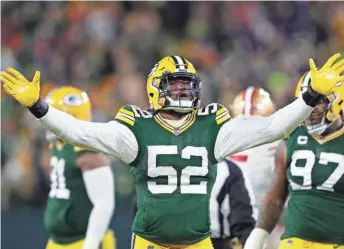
x: 112, y: 138
x: 274, y: 201
x: 243, y: 133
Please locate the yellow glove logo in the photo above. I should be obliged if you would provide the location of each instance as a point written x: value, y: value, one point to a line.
x: 328, y: 77
x: 16, y: 85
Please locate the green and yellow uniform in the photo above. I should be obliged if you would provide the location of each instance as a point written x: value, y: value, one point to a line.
x: 68, y: 206
x: 174, y: 173
x: 316, y: 186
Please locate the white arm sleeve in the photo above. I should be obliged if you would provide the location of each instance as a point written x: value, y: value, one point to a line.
x: 100, y: 188
x: 243, y: 133
x: 112, y: 138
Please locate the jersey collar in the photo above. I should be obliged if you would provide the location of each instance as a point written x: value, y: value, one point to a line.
x: 333, y: 135
x: 176, y: 130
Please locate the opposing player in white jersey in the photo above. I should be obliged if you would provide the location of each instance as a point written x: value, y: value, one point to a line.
x: 257, y: 162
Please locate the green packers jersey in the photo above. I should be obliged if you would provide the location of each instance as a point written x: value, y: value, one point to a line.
x: 174, y: 173
x: 316, y: 186
x: 68, y: 206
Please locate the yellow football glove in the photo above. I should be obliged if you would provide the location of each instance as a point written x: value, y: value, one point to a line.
x: 326, y: 78
x: 16, y: 85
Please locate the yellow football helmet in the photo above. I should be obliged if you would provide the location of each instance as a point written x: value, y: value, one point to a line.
x: 252, y: 101
x: 333, y: 111
x: 162, y: 76
x: 71, y: 100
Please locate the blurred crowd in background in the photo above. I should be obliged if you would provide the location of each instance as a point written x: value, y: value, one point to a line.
x: 108, y: 48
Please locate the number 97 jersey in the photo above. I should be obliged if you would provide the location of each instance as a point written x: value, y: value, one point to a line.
x: 174, y: 173
x: 316, y: 186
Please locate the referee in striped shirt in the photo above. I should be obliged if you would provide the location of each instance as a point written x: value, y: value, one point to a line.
x: 233, y: 211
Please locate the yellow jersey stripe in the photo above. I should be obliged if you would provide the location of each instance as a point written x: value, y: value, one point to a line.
x: 330, y: 136
x: 124, y: 119
x: 127, y: 112
x: 189, y: 124
x: 221, y: 115
x: 188, y: 120
x: 176, y: 130
x: 127, y: 116
x: 163, y: 122
x: 158, y: 120
x: 223, y: 119
x: 222, y: 110
x: 77, y: 149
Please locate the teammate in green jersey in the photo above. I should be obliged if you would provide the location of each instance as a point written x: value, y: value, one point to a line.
x: 309, y: 166
x: 81, y: 199
x: 172, y: 148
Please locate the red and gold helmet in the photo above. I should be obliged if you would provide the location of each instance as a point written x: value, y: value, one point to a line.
x: 252, y: 102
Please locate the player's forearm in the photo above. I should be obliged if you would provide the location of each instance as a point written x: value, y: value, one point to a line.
x: 68, y: 128
x: 284, y: 121
x: 270, y: 213
x: 268, y: 218
x: 59, y: 122
x: 100, y: 188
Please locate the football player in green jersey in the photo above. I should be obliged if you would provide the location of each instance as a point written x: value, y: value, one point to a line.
x: 309, y: 166
x: 172, y: 148
x: 81, y: 199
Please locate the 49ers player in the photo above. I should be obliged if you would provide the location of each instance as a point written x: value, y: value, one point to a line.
x: 257, y: 163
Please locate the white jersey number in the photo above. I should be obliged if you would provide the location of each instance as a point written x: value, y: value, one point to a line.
x: 306, y: 171
x: 185, y: 186
x: 58, y: 179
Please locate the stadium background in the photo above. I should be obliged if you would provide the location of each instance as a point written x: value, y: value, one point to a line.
x: 108, y: 48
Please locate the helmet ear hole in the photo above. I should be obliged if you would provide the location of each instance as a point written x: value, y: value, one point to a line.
x: 151, y: 95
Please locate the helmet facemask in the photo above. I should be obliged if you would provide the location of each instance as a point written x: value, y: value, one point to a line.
x: 317, y: 123
x: 179, y: 92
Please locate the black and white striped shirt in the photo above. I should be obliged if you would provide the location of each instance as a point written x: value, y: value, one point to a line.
x: 233, y: 211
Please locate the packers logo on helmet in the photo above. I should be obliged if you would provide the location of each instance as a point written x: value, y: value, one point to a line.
x: 321, y: 118
x: 173, y: 84
x: 71, y: 100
